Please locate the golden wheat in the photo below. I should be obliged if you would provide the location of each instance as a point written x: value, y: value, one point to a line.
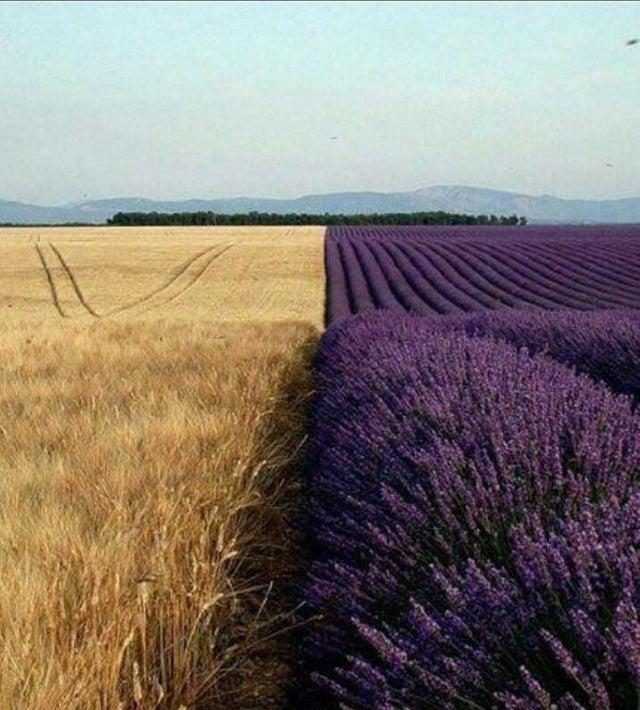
x: 241, y: 274
x: 149, y: 465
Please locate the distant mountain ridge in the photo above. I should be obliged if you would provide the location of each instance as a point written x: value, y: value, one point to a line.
x: 448, y: 198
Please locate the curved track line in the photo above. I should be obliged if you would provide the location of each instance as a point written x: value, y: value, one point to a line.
x: 73, y: 281
x: 160, y: 289
x: 193, y: 281
x: 52, y: 286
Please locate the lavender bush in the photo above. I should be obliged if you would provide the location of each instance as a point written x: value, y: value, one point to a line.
x: 602, y: 344
x: 473, y: 522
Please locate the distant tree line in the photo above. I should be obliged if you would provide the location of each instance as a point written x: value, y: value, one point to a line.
x: 270, y: 218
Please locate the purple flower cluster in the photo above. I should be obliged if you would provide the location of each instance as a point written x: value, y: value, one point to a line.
x: 449, y: 270
x: 473, y: 519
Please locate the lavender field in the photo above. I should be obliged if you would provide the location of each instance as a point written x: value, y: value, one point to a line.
x: 473, y: 471
x: 446, y: 270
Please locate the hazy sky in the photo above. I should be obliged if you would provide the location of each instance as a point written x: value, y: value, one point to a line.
x: 175, y: 100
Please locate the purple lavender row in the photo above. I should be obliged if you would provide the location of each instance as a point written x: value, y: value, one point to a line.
x: 426, y: 270
x: 499, y: 234
x: 567, y: 288
x: 338, y: 298
x: 572, y: 271
x: 474, y: 516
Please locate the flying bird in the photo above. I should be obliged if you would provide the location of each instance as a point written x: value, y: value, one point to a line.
x: 609, y: 165
x: 334, y: 138
x: 631, y: 42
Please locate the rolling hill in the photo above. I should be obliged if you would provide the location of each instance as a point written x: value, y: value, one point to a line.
x: 449, y: 198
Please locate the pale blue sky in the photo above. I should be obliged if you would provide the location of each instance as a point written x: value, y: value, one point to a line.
x: 175, y: 100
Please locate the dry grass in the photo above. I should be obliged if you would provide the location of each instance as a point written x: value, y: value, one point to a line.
x: 241, y: 274
x: 149, y: 464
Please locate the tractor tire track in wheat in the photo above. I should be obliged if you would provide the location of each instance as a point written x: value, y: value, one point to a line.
x: 190, y: 272
x: 74, y: 282
x: 53, y: 292
x: 163, y: 287
x: 186, y: 277
x: 199, y: 274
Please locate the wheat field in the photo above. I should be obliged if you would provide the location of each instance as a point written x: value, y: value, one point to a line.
x: 242, y: 274
x: 152, y: 415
